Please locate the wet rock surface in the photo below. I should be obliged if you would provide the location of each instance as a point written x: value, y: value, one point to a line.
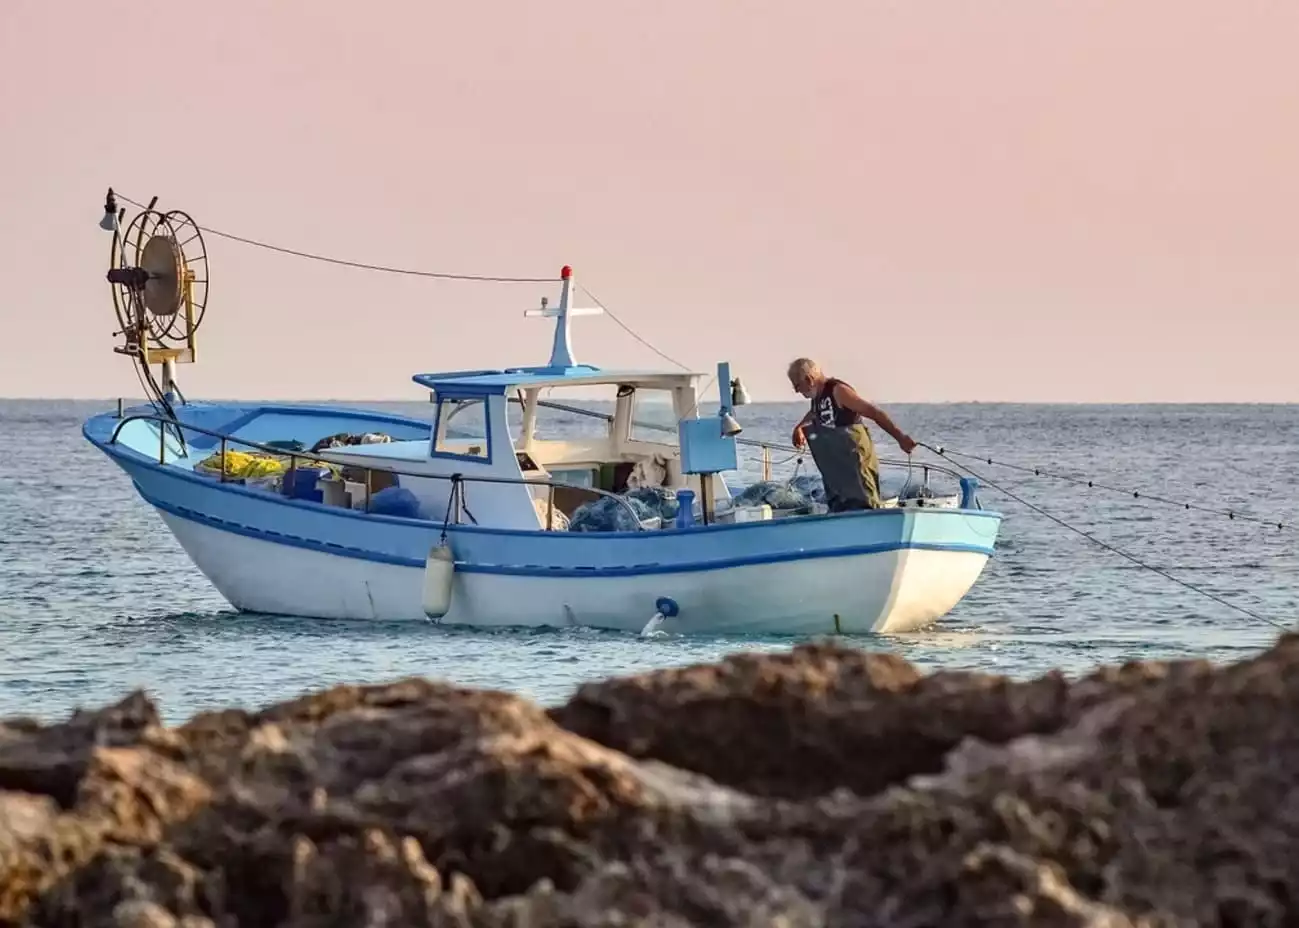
x: 824, y: 786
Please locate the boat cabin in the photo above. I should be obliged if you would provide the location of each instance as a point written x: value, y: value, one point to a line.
x: 523, y: 467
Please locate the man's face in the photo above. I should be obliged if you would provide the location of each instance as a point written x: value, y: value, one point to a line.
x: 802, y: 385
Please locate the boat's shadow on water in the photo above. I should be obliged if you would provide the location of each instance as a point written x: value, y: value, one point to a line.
x: 253, y: 625
x: 516, y: 658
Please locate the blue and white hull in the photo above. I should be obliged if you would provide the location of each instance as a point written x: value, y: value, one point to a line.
x: 891, y: 570
x: 870, y: 591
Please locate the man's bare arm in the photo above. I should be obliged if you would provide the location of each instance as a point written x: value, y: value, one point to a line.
x: 798, y: 438
x: 847, y: 396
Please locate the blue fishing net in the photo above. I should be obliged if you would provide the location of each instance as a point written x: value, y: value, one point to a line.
x: 780, y: 494
x: 661, y: 501
x: 906, y: 485
x: 805, y: 489
x: 810, y: 485
x: 607, y: 515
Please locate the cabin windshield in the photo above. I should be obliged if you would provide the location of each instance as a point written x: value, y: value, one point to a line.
x: 653, y: 418
x: 586, y: 437
x: 551, y: 423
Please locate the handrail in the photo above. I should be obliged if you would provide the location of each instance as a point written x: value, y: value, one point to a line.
x: 753, y: 442
x: 457, y: 498
x: 311, y: 456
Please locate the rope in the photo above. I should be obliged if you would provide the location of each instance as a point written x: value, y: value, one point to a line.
x: 699, y: 394
x: 451, y: 502
x: 1092, y: 484
x: 1111, y: 548
x: 410, y: 272
x: 626, y: 328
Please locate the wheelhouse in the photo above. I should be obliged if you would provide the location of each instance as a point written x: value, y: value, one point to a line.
x: 514, y: 424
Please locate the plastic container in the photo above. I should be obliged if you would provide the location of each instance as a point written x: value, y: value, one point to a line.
x: 301, y: 483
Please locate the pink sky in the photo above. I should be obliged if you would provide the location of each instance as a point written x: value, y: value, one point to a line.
x: 951, y: 200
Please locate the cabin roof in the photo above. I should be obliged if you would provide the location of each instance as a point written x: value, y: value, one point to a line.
x: 499, y: 381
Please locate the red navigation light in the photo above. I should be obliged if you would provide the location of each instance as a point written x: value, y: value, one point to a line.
x: 565, y: 272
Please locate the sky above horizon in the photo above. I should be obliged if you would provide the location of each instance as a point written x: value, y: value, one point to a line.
x: 1032, y: 200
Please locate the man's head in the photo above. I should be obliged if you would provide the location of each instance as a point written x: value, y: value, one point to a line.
x: 805, y: 377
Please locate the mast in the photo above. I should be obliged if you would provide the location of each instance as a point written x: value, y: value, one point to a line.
x: 561, y: 352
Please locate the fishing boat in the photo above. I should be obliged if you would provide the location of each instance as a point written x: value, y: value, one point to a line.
x: 481, y: 516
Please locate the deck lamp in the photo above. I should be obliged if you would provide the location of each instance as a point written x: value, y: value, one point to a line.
x: 109, y: 221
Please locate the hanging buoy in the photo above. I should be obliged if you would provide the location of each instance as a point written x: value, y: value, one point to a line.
x: 439, y: 571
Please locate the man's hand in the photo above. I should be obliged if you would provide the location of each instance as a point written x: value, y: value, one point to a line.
x: 799, y: 438
x: 906, y: 443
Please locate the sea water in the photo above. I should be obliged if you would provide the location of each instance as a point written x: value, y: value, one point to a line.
x: 97, y: 598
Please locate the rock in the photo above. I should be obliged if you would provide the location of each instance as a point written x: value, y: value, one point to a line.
x: 51, y: 760
x: 820, y: 786
x: 800, y: 724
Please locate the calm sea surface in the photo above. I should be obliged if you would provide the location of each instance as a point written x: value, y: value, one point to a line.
x: 97, y: 598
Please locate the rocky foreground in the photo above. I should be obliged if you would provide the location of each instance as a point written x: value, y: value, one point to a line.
x: 819, y: 787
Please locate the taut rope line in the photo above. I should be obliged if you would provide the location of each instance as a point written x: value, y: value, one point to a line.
x: 1111, y: 548
x: 1092, y: 484
x: 312, y: 256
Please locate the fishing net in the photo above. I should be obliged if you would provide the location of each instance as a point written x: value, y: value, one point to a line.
x: 607, y: 514
x: 661, y: 501
x: 783, y: 495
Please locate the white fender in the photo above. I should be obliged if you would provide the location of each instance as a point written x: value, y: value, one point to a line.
x: 439, y: 571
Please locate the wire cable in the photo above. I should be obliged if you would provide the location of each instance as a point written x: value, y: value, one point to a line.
x: 1111, y: 548
x: 312, y: 256
x: 412, y: 272
x: 1092, y: 484
x: 628, y: 329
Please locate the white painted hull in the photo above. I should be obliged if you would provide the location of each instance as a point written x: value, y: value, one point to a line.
x: 883, y: 592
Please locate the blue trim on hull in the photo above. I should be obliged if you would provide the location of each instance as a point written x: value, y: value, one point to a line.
x: 527, y: 570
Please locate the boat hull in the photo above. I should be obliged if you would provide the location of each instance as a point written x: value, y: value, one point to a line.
x: 886, y: 571
x: 884, y: 592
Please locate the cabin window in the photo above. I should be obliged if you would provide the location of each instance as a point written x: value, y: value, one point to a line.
x: 462, y: 428
x: 558, y: 424
x: 653, y: 418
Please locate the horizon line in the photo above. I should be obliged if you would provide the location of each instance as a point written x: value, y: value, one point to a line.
x: 882, y: 403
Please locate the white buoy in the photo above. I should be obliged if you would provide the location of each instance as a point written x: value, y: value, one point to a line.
x: 439, y: 571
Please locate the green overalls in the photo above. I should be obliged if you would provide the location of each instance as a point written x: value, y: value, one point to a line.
x: 844, y: 453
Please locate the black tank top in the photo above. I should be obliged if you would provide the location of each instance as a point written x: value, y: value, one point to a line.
x: 827, y: 412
